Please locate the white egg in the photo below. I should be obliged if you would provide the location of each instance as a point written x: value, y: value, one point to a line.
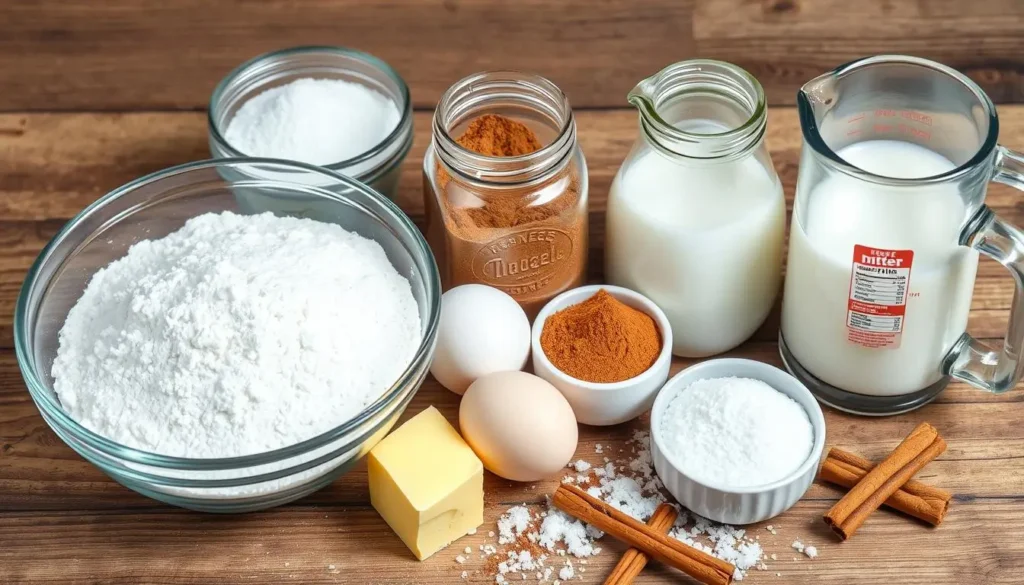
x: 482, y: 330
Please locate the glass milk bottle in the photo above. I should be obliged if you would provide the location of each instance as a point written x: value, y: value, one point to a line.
x: 888, y: 221
x: 696, y: 214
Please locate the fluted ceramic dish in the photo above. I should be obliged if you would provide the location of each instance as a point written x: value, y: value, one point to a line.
x: 745, y: 505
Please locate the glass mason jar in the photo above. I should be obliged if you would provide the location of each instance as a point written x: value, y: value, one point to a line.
x: 696, y: 214
x: 378, y: 167
x: 517, y: 223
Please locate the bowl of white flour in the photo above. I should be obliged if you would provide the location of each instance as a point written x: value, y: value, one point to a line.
x: 737, y: 441
x: 221, y: 359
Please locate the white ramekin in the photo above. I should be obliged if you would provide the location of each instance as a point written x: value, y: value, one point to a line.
x: 745, y: 505
x: 605, y: 404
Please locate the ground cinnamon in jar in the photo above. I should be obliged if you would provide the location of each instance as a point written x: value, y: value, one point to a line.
x: 601, y: 340
x: 530, y: 242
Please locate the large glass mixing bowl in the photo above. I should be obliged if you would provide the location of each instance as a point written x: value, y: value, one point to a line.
x: 156, y: 205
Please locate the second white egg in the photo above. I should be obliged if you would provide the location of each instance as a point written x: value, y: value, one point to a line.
x: 482, y: 330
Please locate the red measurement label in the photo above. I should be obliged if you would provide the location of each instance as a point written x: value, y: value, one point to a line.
x: 879, y: 287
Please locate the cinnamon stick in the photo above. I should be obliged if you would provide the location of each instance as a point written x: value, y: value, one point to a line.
x: 916, y: 499
x: 697, y: 564
x: 634, y: 560
x: 921, y: 446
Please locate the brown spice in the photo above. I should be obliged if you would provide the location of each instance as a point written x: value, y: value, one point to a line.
x: 504, y: 237
x: 601, y: 340
x: 493, y: 135
x: 884, y: 480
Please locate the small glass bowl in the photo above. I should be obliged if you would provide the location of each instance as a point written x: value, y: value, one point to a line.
x: 158, y: 204
x: 378, y: 167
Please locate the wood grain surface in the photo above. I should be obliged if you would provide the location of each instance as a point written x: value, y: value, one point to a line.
x: 120, y: 55
x: 95, y: 94
x: 64, y: 521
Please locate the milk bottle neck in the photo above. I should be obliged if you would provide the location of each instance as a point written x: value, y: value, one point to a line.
x: 702, y: 110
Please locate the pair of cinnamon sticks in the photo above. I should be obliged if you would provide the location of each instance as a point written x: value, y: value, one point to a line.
x: 887, y: 483
x: 646, y: 540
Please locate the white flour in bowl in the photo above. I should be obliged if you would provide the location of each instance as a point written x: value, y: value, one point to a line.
x: 235, y: 335
x: 736, y: 432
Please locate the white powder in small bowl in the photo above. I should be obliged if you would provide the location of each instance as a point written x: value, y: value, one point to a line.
x: 735, y: 432
x: 316, y: 121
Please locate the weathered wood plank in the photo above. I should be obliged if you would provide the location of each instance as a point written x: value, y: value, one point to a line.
x: 981, y: 541
x: 62, y: 520
x: 129, y: 55
x: 59, y: 163
x: 39, y: 472
x: 56, y: 164
x: 123, y: 55
x: 784, y: 43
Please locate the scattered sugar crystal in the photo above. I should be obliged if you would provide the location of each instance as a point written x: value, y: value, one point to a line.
x: 598, y: 449
x: 799, y: 546
x: 465, y: 574
x: 728, y: 543
x: 460, y: 559
x: 472, y: 531
x: 559, y: 527
x: 547, y: 573
x: 811, y: 551
x: 581, y: 466
x: 491, y: 534
x: 775, y: 557
x: 566, y: 572
x: 513, y: 523
x: 468, y: 550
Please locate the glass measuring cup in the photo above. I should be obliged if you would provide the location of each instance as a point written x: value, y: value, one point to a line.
x: 888, y: 223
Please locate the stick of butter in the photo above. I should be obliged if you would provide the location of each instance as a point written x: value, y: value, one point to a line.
x: 427, y: 483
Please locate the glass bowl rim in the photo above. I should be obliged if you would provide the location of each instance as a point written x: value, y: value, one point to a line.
x: 400, y: 129
x: 41, y: 395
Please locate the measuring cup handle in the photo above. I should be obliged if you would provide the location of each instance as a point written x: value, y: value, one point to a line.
x: 972, y: 360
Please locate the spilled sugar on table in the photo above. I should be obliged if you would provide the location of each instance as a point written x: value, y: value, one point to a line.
x: 63, y: 521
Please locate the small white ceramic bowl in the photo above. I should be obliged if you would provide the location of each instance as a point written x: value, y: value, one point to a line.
x: 745, y: 505
x: 605, y: 404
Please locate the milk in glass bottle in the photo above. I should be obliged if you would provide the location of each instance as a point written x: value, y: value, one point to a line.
x: 696, y: 213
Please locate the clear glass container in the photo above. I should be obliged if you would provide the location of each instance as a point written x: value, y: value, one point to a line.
x: 516, y: 223
x: 156, y: 205
x: 378, y: 167
x: 696, y: 215
x: 888, y: 223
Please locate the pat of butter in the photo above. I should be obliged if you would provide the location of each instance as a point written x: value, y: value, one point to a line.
x: 427, y: 483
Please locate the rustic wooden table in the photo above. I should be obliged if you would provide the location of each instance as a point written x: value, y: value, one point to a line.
x: 96, y: 94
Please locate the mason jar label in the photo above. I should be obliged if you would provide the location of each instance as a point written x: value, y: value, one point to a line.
x: 523, y: 262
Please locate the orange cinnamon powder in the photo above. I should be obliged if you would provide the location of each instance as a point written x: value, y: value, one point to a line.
x: 601, y: 340
x: 493, y: 135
